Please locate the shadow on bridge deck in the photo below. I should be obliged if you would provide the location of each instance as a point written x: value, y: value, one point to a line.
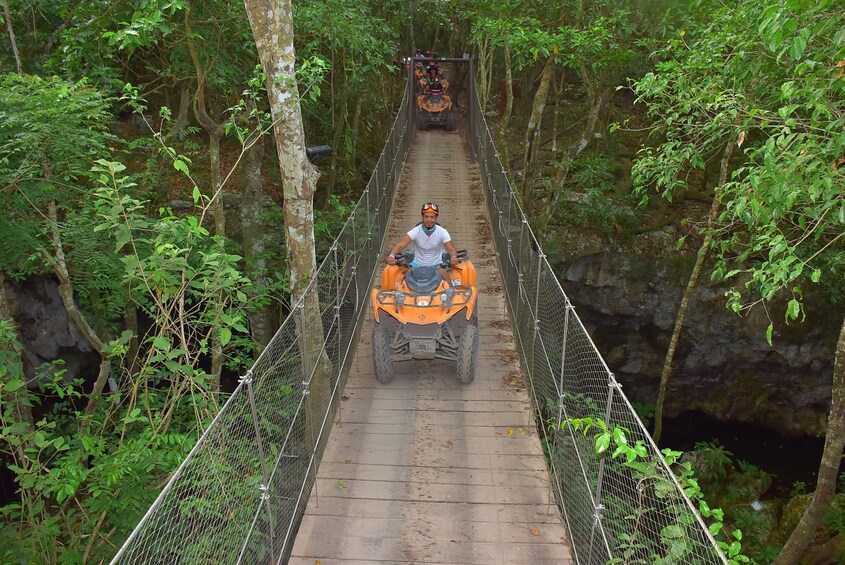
x: 424, y: 469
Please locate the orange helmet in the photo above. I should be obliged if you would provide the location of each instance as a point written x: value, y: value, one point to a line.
x: 430, y: 207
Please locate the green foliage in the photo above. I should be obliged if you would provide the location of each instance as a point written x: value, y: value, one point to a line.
x: 50, y: 132
x: 172, y: 262
x: 645, y: 412
x: 713, y: 462
x: 798, y: 488
x: 784, y: 208
x: 594, y: 202
x: 80, y: 494
x: 834, y: 518
x: 648, y: 470
x: 329, y: 222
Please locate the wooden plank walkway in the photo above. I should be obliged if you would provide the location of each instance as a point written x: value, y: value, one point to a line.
x: 424, y: 469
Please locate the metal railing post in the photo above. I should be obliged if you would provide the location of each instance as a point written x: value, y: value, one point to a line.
x: 265, y: 477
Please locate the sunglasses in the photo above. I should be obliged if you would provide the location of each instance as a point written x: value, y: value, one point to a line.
x: 430, y: 206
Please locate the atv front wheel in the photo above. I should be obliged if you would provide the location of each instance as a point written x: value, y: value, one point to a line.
x: 467, y: 354
x: 450, y: 121
x: 422, y: 120
x: 382, y: 361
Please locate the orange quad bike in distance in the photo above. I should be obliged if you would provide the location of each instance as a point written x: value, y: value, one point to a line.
x: 419, y: 316
x: 434, y: 107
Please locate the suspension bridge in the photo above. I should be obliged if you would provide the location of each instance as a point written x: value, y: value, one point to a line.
x: 312, y: 461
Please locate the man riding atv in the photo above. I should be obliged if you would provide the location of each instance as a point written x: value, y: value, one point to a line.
x: 426, y: 306
x: 429, y: 238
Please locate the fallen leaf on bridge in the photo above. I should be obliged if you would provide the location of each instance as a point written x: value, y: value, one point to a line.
x: 341, y: 485
x: 535, y: 532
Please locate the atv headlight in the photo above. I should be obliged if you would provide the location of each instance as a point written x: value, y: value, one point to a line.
x: 400, y: 297
x: 447, y: 295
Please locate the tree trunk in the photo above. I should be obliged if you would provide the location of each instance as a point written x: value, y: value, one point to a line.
x: 691, y: 284
x: 484, y: 61
x: 340, y: 129
x: 254, y: 238
x: 532, y: 130
x: 215, y: 133
x: 272, y: 27
x: 834, y: 444
x: 506, y: 117
x: 558, y: 90
x: 597, y: 102
x: 59, y: 265
x: 599, y: 95
x: 356, y: 125
x: 12, y: 35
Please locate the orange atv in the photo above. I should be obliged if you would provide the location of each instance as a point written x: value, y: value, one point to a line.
x: 434, y: 107
x: 420, y: 316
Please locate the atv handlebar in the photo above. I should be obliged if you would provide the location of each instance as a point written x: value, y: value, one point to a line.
x: 402, y: 259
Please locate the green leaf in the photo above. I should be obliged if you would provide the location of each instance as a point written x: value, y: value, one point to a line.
x: 161, y: 343
x: 619, y: 436
x: 13, y: 384
x: 602, y: 443
x: 122, y: 236
x: 769, y: 334
x: 225, y: 336
x: 792, y: 310
x: 180, y: 165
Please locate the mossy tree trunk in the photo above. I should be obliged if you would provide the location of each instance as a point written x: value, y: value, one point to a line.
x: 532, y: 132
x: 692, y: 283
x: 10, y: 30
x: 272, y: 28
x: 254, y: 240
x: 834, y: 444
x: 506, y: 116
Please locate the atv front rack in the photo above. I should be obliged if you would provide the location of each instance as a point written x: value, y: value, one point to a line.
x: 456, y: 296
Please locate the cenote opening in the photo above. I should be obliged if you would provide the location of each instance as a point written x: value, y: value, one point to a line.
x: 790, y: 459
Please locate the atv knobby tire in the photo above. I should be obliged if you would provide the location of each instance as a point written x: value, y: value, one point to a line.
x: 450, y: 121
x: 467, y: 354
x: 422, y: 120
x: 382, y: 361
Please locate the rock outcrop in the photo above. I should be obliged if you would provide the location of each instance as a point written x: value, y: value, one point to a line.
x: 723, y: 365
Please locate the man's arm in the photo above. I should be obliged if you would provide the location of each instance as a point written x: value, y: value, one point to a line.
x: 453, y: 253
x: 403, y: 243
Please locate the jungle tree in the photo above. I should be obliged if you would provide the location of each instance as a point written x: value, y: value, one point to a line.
x: 783, y: 205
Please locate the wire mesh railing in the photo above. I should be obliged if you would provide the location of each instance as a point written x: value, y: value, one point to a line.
x: 239, y: 495
x: 613, y: 510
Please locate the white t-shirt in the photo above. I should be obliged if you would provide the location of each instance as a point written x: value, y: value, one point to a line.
x: 429, y: 248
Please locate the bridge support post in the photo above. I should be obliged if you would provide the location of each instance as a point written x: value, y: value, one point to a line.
x: 612, y: 386
x: 536, y: 310
x: 265, y: 477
